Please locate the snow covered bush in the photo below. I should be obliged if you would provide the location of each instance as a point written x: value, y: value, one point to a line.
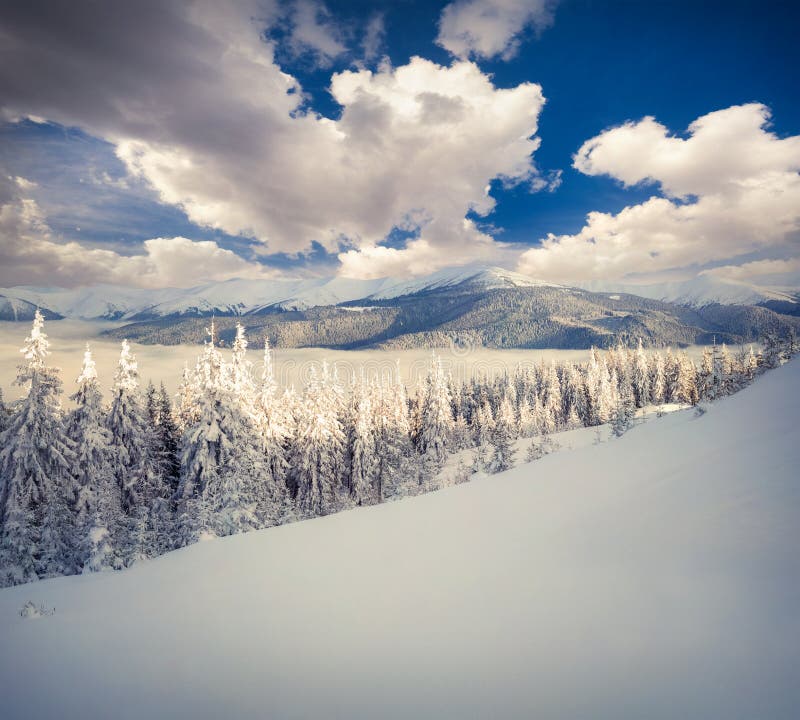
x: 31, y: 610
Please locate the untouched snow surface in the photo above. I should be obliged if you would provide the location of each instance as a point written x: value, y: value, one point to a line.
x: 652, y: 576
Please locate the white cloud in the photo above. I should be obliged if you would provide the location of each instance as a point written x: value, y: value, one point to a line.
x: 490, y: 28
x: 417, y: 258
x: 417, y: 141
x: 315, y: 32
x: 427, y: 253
x: 785, y: 271
x: 205, y: 116
x: 374, y: 35
x: 31, y: 255
x: 550, y: 181
x: 732, y: 189
x: 726, y: 149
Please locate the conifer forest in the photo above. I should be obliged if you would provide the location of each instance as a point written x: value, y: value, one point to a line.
x: 112, y: 478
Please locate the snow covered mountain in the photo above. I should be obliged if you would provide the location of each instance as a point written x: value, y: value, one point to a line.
x: 236, y: 297
x: 242, y: 297
x: 623, y: 580
x: 484, y: 278
x: 16, y: 309
x: 470, y: 305
x: 97, y: 302
x: 699, y: 292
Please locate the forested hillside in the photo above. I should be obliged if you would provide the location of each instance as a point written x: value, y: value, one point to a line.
x: 514, y: 317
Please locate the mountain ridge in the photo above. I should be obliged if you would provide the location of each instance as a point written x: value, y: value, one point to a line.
x: 465, y: 306
x: 243, y: 297
x: 468, y: 316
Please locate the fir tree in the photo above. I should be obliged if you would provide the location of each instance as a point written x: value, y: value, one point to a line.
x: 792, y: 344
x: 607, y: 394
x: 395, y: 450
x: 687, y: 384
x: 202, y: 442
x: 552, y: 402
x: 460, y: 439
x: 5, y: 414
x: 750, y: 365
x: 436, y: 418
x: 240, y: 372
x: 128, y: 425
x: 622, y: 417
x: 573, y: 420
x: 167, y: 441
x: 595, y: 375
x: 274, y: 422
x: 319, y: 449
x: 135, y: 463
x: 502, y: 457
x: 154, y: 521
x: 726, y: 381
x: 222, y: 467
x: 658, y: 380
x: 671, y: 373
x: 526, y: 421
x: 97, y: 507
x: 706, y: 378
x: 37, y: 530
x: 187, y: 406
x: 640, y: 381
x: 483, y: 425
x: 364, y: 454
x: 575, y: 397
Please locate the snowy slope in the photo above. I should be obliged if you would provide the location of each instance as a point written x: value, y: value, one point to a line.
x: 698, y: 292
x: 654, y: 576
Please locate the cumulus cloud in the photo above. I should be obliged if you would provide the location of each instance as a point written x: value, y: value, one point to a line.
x: 31, y: 255
x: 729, y: 189
x: 726, y: 149
x: 785, y: 271
x: 491, y: 28
x: 423, y: 255
x: 202, y: 112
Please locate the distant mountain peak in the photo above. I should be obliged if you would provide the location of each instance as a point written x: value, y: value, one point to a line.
x: 502, y: 277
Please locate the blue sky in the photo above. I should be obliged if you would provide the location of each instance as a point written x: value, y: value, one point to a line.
x: 598, y: 65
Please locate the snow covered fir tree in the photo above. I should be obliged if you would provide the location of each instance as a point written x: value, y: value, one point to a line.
x: 114, y: 481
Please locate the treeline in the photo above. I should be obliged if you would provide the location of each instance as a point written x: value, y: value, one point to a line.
x: 109, y: 483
